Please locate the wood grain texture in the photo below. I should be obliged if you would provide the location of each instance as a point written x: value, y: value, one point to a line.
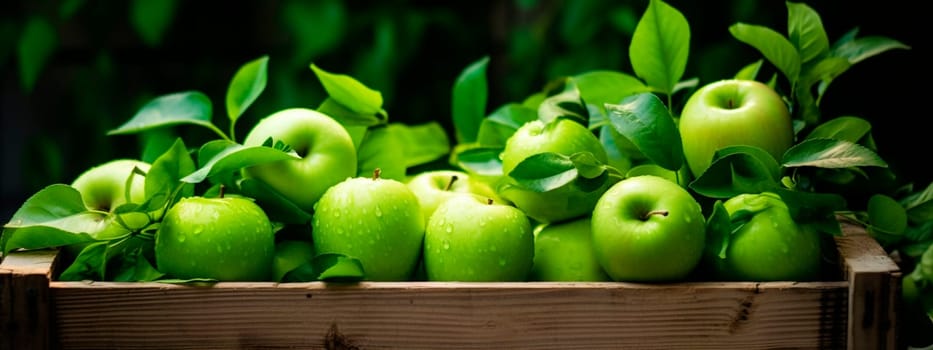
x: 856, y: 311
x: 452, y: 315
x: 874, y: 290
x: 24, y: 300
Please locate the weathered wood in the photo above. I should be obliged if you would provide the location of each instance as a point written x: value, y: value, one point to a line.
x: 856, y: 311
x: 874, y: 290
x: 453, y: 315
x: 24, y: 300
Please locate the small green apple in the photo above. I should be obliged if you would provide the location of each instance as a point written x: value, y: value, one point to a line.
x: 562, y: 136
x: 472, y: 240
x: 227, y: 239
x: 375, y: 220
x: 647, y: 228
x: 770, y: 246
x: 103, y: 187
x: 733, y: 112
x: 564, y: 252
x: 433, y: 187
x: 327, y: 153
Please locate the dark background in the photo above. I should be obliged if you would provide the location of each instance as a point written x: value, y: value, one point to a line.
x: 106, y: 59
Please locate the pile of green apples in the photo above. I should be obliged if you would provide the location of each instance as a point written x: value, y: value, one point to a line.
x: 599, y: 176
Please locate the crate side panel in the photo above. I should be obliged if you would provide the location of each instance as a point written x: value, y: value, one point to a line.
x: 469, y: 316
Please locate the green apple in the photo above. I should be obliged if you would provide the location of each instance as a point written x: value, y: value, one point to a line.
x: 375, y: 220
x: 733, y: 112
x: 327, y: 153
x: 227, y: 239
x: 472, y: 240
x: 103, y: 187
x: 648, y: 229
x: 562, y: 136
x: 433, y: 187
x: 770, y: 246
x: 564, y: 252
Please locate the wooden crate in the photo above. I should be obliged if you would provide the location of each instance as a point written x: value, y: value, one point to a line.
x: 857, y: 311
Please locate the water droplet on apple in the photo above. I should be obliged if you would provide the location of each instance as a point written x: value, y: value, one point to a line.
x: 449, y: 229
x: 198, y: 229
x: 446, y: 245
x: 337, y: 213
x: 378, y: 212
x: 181, y: 238
x: 492, y: 248
x: 502, y: 262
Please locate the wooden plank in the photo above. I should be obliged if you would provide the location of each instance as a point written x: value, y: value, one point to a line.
x: 874, y: 290
x: 418, y: 315
x: 24, y: 294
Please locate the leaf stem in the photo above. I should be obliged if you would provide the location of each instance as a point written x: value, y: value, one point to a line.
x: 219, y: 132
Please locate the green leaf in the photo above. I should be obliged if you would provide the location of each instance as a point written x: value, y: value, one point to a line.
x: 886, y: 215
x: 644, y: 120
x: 750, y: 71
x: 155, y: 142
x: 805, y: 31
x: 830, y: 153
x: 275, y: 205
x: 736, y: 170
x: 543, y: 172
x: 496, y: 129
x: 54, y: 216
x: 718, y: 230
x: 166, y: 172
x: 846, y: 128
x: 919, y: 205
x: 348, y: 117
x: 150, y: 18
x: 566, y: 105
x: 381, y: 148
x: 420, y: 143
x: 468, y: 104
x: 600, y: 87
x: 858, y: 49
x: 135, y: 267
x: 338, y: 268
x: 190, y: 107
x: 483, y: 161
x: 815, y: 210
x: 349, y: 92
x: 232, y: 157
x: 36, y: 45
x: 88, y: 265
x: 660, y: 46
x: 246, y: 86
x: 774, y: 46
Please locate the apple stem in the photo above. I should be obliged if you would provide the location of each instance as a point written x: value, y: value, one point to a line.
x: 649, y: 214
x: 377, y: 173
x: 221, y: 191
x: 489, y: 201
x: 450, y: 183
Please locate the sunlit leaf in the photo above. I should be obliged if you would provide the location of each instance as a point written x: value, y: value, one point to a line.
x: 349, y: 92
x: 468, y: 103
x: 420, y: 143
x: 543, y: 172
x: 496, y: 129
x: 54, y: 216
x: 233, y: 156
x: 774, y: 46
x: 246, y: 86
x: 166, y: 173
x: 830, y: 153
x: 805, y: 31
x: 660, y: 46
x: 600, y: 87
x: 190, y: 107
x: 846, y: 128
x: 338, y: 268
x: 644, y: 120
x: 736, y: 170
x: 750, y: 71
